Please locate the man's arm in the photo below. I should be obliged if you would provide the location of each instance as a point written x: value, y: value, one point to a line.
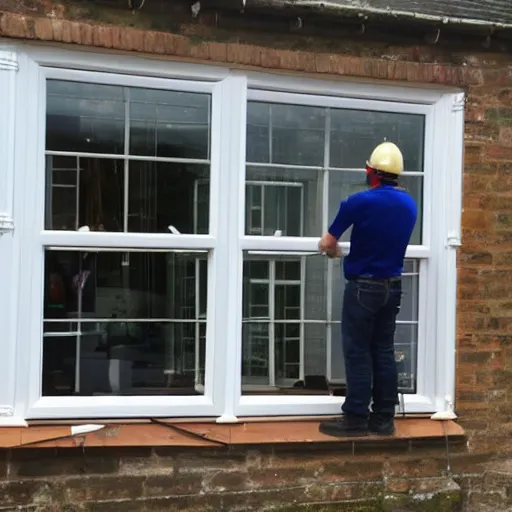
x: 329, y: 242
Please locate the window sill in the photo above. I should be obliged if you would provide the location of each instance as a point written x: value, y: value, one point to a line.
x: 207, y: 434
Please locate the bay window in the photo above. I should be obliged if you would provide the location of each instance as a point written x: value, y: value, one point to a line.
x: 166, y: 220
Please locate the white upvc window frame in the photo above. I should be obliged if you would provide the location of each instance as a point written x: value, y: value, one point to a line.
x: 23, y: 70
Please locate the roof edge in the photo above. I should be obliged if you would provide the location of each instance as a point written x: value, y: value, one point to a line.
x: 327, y: 7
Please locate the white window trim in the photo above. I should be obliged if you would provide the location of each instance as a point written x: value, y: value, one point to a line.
x: 21, y: 262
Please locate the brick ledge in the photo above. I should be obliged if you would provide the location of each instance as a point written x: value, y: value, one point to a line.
x: 253, y: 56
x: 201, y: 434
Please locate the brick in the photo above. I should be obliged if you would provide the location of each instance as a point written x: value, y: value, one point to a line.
x: 194, y: 460
x: 469, y: 463
x: 398, y: 485
x: 129, y: 506
x: 476, y: 219
x: 499, y: 115
x: 43, y: 462
x: 98, y: 488
x: 376, y: 451
x: 155, y: 486
x: 230, y: 481
x: 24, y: 492
x: 505, y: 135
x: 142, y: 461
x: 416, y: 468
x: 499, y: 152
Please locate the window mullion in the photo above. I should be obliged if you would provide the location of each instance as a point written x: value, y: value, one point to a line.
x: 229, y: 271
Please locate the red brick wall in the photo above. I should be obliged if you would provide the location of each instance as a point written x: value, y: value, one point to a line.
x: 362, y: 477
x: 484, y: 340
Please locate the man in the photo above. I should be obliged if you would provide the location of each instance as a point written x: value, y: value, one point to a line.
x: 382, y: 220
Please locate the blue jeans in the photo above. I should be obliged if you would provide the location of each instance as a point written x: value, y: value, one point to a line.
x: 370, y: 308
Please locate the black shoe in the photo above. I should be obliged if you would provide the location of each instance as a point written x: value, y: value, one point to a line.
x: 381, y: 425
x: 346, y: 426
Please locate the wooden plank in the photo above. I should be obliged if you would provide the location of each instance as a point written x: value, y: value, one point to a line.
x: 165, y: 433
x: 125, y: 435
x: 41, y: 434
x: 10, y: 437
x: 307, y: 432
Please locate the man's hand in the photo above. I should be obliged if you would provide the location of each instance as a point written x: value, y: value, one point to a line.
x: 329, y: 245
x: 336, y: 254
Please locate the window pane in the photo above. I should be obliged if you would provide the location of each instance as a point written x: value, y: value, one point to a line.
x: 164, y: 193
x: 124, y: 323
x: 82, y: 117
x: 284, y: 307
x: 345, y: 183
x: 286, y: 325
x: 288, y: 200
x: 285, y: 134
x: 84, y: 191
x: 169, y: 123
x: 355, y: 133
x: 128, y: 194
x: 291, y: 200
x: 141, y: 196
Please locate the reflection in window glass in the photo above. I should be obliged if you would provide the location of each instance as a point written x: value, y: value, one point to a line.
x: 285, y: 134
x: 87, y: 118
x: 283, y: 195
x: 284, y: 305
x: 286, y: 325
x: 355, y: 133
x: 297, y: 135
x: 169, y: 124
x: 124, y: 323
x: 125, y: 194
x: 91, y: 192
x: 283, y: 200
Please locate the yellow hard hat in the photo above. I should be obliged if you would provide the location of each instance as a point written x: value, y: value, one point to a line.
x: 386, y: 157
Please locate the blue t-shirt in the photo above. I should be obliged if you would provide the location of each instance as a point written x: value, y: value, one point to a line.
x: 383, y: 219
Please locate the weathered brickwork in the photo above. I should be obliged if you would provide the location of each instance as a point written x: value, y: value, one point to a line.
x: 371, y: 477
x: 379, y: 478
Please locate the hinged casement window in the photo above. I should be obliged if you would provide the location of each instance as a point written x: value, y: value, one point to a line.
x: 168, y: 223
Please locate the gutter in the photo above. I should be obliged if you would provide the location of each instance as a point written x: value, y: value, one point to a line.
x: 327, y: 7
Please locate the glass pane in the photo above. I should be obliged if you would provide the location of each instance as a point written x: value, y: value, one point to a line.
x: 124, y: 323
x: 84, y: 192
x: 355, y: 133
x: 169, y: 123
x: 295, y: 135
x: 406, y: 338
x: 406, y: 356
x: 284, y: 308
x: 345, y: 183
x: 93, y: 191
x: 129, y: 194
x: 255, y: 360
x: 286, y: 200
x: 285, y: 134
x: 82, y: 117
x: 164, y: 193
x: 285, y: 315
